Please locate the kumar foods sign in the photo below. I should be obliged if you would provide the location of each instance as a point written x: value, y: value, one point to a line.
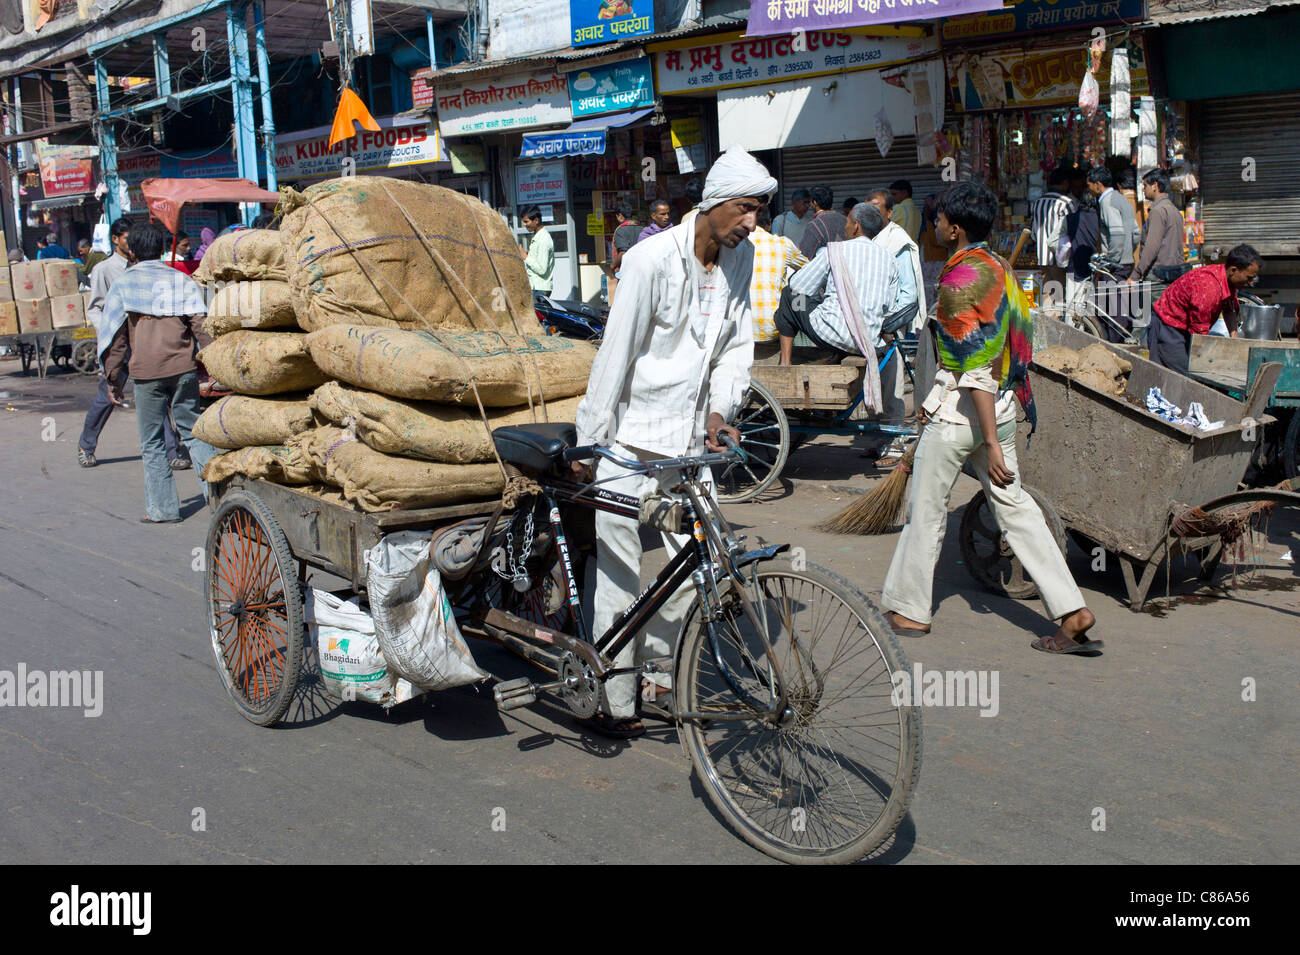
x: 389, y: 148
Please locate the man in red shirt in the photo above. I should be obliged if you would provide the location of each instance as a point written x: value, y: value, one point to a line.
x: 1195, y: 301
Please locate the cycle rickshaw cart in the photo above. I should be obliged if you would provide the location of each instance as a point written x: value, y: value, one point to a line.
x: 1114, y: 476
x: 783, y: 674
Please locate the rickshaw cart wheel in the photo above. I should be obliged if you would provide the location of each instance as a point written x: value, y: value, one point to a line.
x: 254, y: 606
x: 988, y: 558
x: 765, y: 439
x: 1291, y: 447
x: 84, y: 358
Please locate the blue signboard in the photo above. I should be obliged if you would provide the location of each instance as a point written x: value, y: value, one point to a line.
x: 1025, y: 16
x: 612, y: 88
x: 607, y: 21
x: 550, y: 145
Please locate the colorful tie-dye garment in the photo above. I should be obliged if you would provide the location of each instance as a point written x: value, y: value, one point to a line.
x: 983, y: 319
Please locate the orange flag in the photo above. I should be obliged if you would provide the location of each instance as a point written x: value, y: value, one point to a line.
x: 350, y: 110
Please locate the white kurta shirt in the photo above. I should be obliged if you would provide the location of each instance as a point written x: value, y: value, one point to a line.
x: 665, y: 363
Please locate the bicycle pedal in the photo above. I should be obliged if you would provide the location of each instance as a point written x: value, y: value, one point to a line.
x: 512, y: 694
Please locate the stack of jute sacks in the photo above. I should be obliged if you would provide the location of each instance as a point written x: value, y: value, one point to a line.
x: 406, y: 310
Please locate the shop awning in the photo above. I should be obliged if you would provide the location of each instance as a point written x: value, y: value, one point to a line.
x: 583, y: 138
x: 1170, y: 12
x: 768, y: 18
x: 59, y: 202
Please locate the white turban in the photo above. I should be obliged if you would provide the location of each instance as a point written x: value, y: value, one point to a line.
x: 735, y: 175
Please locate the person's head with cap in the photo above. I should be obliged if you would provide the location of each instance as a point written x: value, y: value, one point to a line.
x: 737, y: 186
x: 16, y: 255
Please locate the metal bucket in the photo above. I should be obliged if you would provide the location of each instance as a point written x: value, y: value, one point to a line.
x: 1262, y: 322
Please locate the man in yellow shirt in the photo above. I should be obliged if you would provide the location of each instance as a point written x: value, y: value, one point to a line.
x: 774, y: 257
x: 906, y: 214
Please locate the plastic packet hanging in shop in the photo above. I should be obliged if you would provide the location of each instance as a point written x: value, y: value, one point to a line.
x: 884, y: 132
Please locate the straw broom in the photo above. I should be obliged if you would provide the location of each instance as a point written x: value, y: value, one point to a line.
x: 882, y: 508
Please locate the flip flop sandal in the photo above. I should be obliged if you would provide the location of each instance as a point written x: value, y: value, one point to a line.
x: 628, y: 728
x: 1053, y: 645
x: 904, y: 631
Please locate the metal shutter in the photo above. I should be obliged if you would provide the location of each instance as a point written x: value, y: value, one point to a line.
x: 854, y: 169
x: 1265, y: 212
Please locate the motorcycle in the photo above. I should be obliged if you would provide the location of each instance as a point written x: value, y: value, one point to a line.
x: 571, y: 318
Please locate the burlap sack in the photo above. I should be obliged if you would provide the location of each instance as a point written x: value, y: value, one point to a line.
x: 428, y: 366
x: 238, y: 421
x: 422, y: 429
x: 243, y: 254
x: 381, y: 482
x: 261, y: 363
x: 278, y: 464
x: 250, y: 305
x: 370, y: 250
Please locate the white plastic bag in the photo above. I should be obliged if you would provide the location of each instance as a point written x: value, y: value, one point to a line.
x: 1089, y: 95
x: 352, y: 666
x: 884, y: 132
x: 413, y: 618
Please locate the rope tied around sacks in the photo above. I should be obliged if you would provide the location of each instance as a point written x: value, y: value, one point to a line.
x: 516, y: 487
x: 462, y: 290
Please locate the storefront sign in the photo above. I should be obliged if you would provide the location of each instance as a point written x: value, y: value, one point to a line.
x: 608, y: 89
x: 135, y: 168
x: 749, y: 61
x: 1026, y: 15
x: 770, y: 17
x: 421, y: 92
x: 66, y: 170
x: 545, y: 145
x: 390, y: 148
x: 607, y: 21
x: 1038, y: 77
x: 538, y: 182
x: 517, y: 102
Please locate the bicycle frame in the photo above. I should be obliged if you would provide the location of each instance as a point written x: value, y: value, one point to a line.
x: 713, y: 560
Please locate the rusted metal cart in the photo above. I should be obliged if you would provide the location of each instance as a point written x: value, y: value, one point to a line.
x: 1114, y: 475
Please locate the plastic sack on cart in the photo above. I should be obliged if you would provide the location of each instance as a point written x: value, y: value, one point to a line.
x: 352, y: 666
x: 413, y: 618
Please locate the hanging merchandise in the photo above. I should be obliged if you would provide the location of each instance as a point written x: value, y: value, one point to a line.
x: 1121, y: 142
x: 1094, y: 139
x: 1147, y: 156
x: 884, y: 132
x: 1089, y: 91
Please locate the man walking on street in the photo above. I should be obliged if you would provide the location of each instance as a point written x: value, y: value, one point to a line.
x: 102, y: 278
x: 827, y: 225
x: 906, y: 214
x: 669, y: 375
x: 1119, y: 240
x: 1195, y: 301
x: 156, y: 313
x: 1161, y: 257
x: 792, y: 223
x: 984, y: 339
x: 539, y: 261
x: 661, y: 219
x: 1051, y: 213
x: 812, y: 303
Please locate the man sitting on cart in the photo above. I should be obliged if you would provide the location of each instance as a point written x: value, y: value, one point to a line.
x: 671, y: 371
x: 840, y: 298
x: 984, y: 341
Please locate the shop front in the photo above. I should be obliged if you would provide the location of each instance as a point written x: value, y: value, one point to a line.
x: 405, y: 147
x: 59, y: 199
x: 841, y: 109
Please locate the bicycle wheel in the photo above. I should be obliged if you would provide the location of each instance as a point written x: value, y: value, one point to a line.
x: 765, y: 439
x: 254, y: 608
x: 989, y: 559
x: 833, y: 781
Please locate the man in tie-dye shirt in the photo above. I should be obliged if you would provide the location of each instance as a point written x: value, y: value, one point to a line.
x: 984, y: 338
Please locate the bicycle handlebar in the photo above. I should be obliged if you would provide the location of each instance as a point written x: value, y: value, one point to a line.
x: 588, y: 452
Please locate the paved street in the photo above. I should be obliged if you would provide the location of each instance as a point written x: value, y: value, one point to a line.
x: 1154, y: 732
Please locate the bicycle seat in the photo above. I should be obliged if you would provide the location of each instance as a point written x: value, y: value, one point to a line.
x: 535, y: 447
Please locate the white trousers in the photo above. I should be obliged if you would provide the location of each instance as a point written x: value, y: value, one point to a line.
x: 618, y: 580
x: 943, y: 448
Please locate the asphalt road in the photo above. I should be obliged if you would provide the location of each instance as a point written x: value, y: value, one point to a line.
x: 1155, y: 732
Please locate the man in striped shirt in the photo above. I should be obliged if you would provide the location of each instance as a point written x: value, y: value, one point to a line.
x: 811, y: 305
x: 1051, y: 211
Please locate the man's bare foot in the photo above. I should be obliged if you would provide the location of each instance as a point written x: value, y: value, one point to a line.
x: 1075, y: 625
x: 904, y: 626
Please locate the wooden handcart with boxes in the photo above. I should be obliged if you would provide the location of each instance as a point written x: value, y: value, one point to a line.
x: 43, y: 315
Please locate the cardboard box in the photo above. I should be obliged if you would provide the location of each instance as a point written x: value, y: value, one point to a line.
x: 62, y: 277
x: 6, y: 284
x: 35, y: 316
x: 8, y: 318
x: 85, y: 302
x: 68, y: 311
x: 28, y: 281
